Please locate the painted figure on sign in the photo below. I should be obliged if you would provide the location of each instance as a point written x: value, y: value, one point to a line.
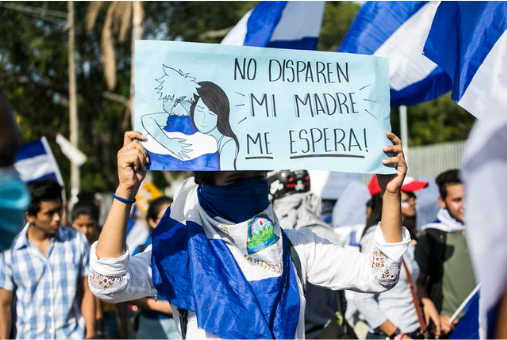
x: 194, y: 127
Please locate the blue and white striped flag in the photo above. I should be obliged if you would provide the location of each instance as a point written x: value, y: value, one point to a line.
x: 36, y: 161
x: 282, y: 24
x: 469, y: 41
x: 398, y: 30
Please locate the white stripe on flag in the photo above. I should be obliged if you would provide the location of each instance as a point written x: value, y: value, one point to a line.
x: 35, y: 167
x: 300, y: 19
x: 404, y: 48
x: 238, y: 33
x: 73, y: 154
x: 489, y: 82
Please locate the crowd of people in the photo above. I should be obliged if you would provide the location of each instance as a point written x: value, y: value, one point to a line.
x: 240, y: 254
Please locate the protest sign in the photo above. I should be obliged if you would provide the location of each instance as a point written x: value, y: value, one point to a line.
x: 217, y: 107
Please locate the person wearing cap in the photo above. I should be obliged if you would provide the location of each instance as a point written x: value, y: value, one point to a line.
x: 408, y: 201
x: 297, y: 207
x: 221, y: 259
x: 447, y: 276
x: 389, y: 314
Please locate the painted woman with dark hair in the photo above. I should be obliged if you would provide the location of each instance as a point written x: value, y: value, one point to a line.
x: 210, y: 115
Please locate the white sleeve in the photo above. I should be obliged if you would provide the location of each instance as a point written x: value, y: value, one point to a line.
x: 121, y: 279
x: 367, y: 303
x: 335, y: 267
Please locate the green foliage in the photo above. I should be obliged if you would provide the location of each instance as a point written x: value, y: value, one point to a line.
x: 338, y: 17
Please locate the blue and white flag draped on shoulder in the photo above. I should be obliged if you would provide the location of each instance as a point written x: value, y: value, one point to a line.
x: 236, y: 277
x: 468, y: 40
x: 281, y: 24
x: 36, y: 161
x: 398, y: 30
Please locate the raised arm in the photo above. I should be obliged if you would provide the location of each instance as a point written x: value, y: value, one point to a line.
x: 390, y: 185
x: 132, y: 160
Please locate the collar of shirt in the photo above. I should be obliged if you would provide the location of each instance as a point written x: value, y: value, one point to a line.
x: 21, y: 240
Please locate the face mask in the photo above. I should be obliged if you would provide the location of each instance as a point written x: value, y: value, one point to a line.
x: 14, y: 199
x: 236, y: 202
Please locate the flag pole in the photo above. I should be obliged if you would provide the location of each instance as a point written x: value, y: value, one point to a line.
x: 404, y: 130
x: 460, y: 308
x: 74, y: 168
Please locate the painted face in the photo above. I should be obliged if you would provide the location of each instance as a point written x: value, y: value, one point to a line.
x: 48, y: 218
x: 408, y: 204
x: 87, y: 225
x: 455, y: 201
x: 205, y: 120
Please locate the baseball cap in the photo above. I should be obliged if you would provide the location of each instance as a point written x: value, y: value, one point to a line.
x: 409, y: 185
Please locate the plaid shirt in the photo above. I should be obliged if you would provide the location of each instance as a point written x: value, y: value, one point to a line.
x: 46, y: 288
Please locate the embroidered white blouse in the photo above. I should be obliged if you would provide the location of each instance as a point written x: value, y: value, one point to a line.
x: 322, y: 263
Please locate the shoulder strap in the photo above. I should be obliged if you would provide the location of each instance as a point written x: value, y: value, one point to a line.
x: 415, y: 300
x: 183, y: 313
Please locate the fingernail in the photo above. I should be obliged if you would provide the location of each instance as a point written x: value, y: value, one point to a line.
x: 148, y: 159
x: 384, y: 161
x: 384, y: 148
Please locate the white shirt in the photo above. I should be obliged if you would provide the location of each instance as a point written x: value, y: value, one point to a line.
x: 322, y: 263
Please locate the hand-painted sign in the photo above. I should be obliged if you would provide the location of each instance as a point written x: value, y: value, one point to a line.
x: 217, y: 107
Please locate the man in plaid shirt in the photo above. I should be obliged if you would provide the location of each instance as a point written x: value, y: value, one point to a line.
x: 45, y: 272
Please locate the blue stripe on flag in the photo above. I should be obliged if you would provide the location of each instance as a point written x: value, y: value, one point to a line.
x: 280, y: 24
x: 31, y: 149
x: 308, y: 43
x: 437, y: 82
x: 468, y: 325
x: 51, y: 175
x: 262, y: 22
x: 375, y: 22
x: 462, y: 35
x: 374, y: 25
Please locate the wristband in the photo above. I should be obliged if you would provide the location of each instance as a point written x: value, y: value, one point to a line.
x: 397, y: 335
x: 124, y: 200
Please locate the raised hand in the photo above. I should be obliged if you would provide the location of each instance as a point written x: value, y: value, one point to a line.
x: 392, y: 183
x: 132, y: 160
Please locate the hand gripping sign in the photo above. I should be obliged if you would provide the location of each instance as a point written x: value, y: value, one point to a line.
x: 218, y: 107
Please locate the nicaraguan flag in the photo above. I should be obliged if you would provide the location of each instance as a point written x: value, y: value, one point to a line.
x: 36, y: 161
x: 398, y: 30
x: 468, y: 40
x: 282, y: 24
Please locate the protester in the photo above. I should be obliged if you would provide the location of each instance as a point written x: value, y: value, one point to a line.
x: 391, y: 313
x: 14, y: 196
x: 44, y: 274
x: 446, y: 274
x: 296, y: 207
x: 220, y: 255
x: 155, y: 319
